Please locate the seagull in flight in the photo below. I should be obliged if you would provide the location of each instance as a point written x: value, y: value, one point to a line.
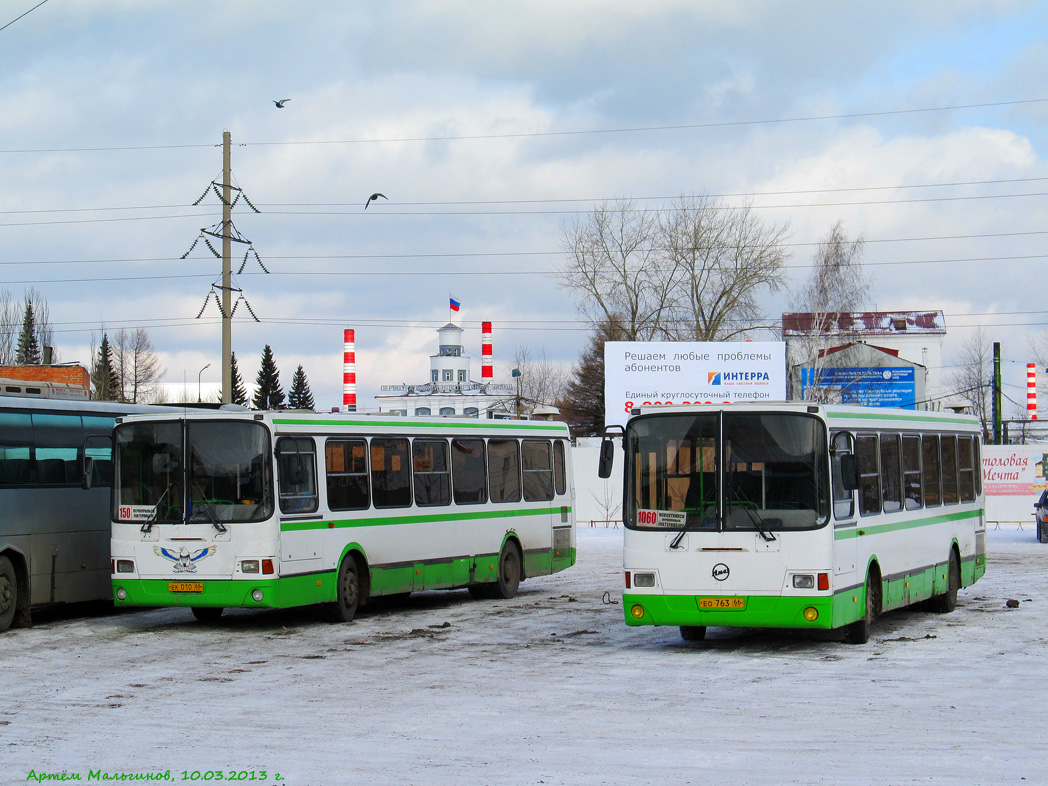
x: 281, y: 102
x: 373, y: 197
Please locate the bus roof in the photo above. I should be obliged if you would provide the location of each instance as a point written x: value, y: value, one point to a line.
x: 844, y: 415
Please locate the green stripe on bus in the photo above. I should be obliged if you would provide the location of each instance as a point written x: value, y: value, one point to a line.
x: 429, y: 518
x: 895, y: 526
x: 884, y: 416
x: 489, y: 425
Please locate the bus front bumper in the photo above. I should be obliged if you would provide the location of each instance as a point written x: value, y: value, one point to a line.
x: 808, y: 612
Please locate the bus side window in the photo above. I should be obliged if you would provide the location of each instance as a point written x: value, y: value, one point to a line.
x: 58, y: 439
x: 843, y: 499
x: 966, y: 468
x: 469, y: 478
x: 432, y: 481
x: 891, y: 473
x: 347, y: 474
x: 504, y: 470
x: 911, y: 472
x: 296, y: 463
x: 869, y: 475
x: 930, y: 471
x: 100, y: 451
x: 949, y: 470
x: 390, y: 472
x: 560, y: 472
x: 538, y: 470
x: 16, y: 439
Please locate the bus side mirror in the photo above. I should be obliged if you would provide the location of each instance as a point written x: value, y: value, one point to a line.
x: 89, y: 468
x: 849, y: 472
x: 607, y: 459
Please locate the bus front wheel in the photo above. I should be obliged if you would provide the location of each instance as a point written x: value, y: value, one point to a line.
x: 347, y: 591
x: 207, y: 613
x: 693, y: 632
x: 859, y: 631
x: 8, y: 593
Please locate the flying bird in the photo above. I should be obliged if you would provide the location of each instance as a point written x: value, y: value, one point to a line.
x: 281, y: 102
x: 373, y: 197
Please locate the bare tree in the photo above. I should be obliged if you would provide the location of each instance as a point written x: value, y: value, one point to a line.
x: 971, y: 378
x: 137, y: 366
x: 613, y: 267
x: 583, y: 400
x: 693, y: 272
x: 718, y: 260
x: 542, y: 381
x: 836, y: 286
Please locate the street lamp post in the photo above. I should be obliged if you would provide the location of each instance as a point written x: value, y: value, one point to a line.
x: 516, y: 375
x: 198, y: 380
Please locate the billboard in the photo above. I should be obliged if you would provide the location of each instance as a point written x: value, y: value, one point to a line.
x: 868, y: 387
x: 656, y: 373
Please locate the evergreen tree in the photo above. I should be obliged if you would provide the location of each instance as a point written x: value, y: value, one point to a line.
x: 238, y: 395
x: 583, y: 402
x: 268, y: 393
x: 28, y: 353
x: 300, y: 396
x: 103, y: 375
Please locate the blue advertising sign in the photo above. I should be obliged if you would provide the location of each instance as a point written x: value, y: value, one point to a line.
x: 870, y: 387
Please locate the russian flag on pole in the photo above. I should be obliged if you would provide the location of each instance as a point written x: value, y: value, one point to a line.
x: 454, y: 305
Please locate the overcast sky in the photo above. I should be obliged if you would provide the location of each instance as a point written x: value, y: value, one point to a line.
x: 490, y: 126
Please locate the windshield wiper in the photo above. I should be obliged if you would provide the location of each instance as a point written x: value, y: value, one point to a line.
x: 759, y: 524
x: 209, y: 511
x: 147, y: 526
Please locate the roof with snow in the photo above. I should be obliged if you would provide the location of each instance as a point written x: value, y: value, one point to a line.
x: 864, y: 323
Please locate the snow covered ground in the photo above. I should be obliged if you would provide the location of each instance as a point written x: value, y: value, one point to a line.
x: 548, y: 688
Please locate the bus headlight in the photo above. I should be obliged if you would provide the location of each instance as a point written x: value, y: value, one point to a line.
x: 121, y: 594
x: 637, y: 612
x: 256, y: 595
x: 811, y: 614
x: 249, y: 566
x: 804, y: 581
x: 644, y: 580
x: 125, y: 566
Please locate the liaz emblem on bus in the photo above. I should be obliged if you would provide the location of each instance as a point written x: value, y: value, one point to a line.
x: 671, y: 519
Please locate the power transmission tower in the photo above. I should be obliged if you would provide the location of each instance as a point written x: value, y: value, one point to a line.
x: 228, y: 234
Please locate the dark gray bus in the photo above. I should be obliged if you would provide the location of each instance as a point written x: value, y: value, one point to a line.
x: 54, y: 534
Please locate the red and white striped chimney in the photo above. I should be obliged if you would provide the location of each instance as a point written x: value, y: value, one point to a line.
x: 485, y: 351
x: 1031, y: 390
x: 349, y: 371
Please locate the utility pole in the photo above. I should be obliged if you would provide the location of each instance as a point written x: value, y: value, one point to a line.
x: 228, y: 234
x: 227, y: 273
x: 996, y: 393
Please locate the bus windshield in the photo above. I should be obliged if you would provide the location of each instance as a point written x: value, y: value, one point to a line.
x: 727, y: 471
x: 209, y: 472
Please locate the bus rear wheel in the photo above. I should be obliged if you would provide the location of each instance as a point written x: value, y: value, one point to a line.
x: 347, y: 591
x: 8, y: 593
x: 207, y: 613
x: 947, y: 602
x: 859, y: 631
x: 509, y: 572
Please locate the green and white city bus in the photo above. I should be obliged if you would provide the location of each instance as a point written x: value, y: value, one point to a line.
x: 278, y: 509
x: 797, y: 515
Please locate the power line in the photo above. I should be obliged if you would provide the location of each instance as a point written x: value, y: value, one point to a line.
x: 569, y: 133
x: 27, y: 13
x: 589, y: 200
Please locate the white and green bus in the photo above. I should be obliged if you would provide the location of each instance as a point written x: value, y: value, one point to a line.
x: 278, y: 509
x: 797, y: 515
